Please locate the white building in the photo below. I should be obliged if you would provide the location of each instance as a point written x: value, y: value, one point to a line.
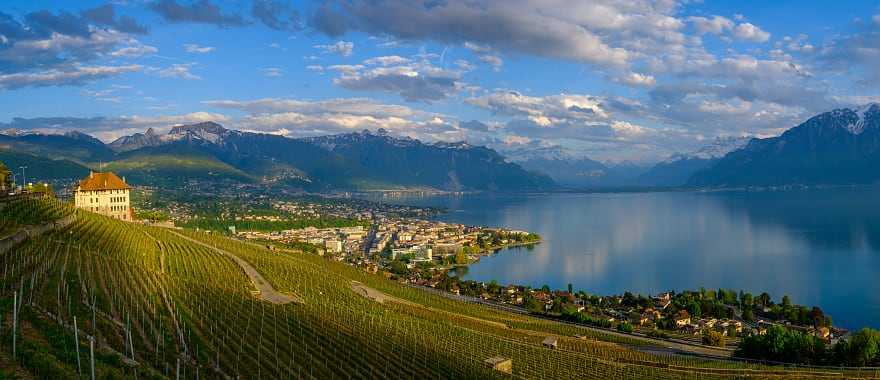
x: 105, y: 194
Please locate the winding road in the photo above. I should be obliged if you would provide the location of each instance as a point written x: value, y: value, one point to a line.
x: 267, y: 292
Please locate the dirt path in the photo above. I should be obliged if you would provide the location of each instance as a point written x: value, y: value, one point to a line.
x: 267, y: 292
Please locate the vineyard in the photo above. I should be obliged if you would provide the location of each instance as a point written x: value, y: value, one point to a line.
x: 108, y: 299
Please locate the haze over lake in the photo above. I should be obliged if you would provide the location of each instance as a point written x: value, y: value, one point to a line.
x: 821, y: 247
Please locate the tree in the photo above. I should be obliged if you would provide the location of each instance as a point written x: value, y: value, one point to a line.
x: 694, y: 309
x: 398, y: 267
x: 531, y: 303
x: 746, y: 301
x: 713, y: 338
x: 625, y: 327
x: 764, y: 299
x: 748, y: 315
x: 461, y: 258
x: 786, y: 302
x: 862, y: 349
x: 570, y: 289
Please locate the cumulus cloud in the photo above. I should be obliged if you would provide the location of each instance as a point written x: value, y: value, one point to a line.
x: 719, y: 25
x: 105, y: 15
x: 551, y: 30
x: 748, y: 32
x: 199, y: 11
x: 178, y: 70
x: 76, y: 75
x: 412, y: 80
x: 45, y: 48
x: 135, y: 51
x: 297, y: 118
x: 111, y: 128
x: 715, y: 25
x: 637, y: 80
x: 343, y: 48
x: 195, y: 48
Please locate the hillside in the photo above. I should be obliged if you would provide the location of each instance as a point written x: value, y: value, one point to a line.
x: 837, y: 147
x: 159, y: 301
x: 43, y: 168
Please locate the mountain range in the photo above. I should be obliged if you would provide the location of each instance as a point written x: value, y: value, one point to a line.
x: 352, y: 161
x: 837, y: 147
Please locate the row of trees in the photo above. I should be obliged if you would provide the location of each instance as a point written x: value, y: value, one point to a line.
x: 862, y: 349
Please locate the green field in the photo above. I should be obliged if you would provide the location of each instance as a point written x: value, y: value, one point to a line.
x: 160, y: 305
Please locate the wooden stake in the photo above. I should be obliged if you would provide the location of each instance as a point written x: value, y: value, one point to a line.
x: 76, y: 338
x: 92, y: 354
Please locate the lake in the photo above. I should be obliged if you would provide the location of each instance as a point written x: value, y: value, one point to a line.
x: 821, y: 247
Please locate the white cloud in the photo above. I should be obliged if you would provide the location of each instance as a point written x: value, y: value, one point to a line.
x: 716, y: 25
x: 198, y: 49
x: 272, y: 72
x: 493, y: 60
x: 73, y: 76
x: 748, y: 32
x: 343, y: 48
x: 637, y: 80
x: 135, y: 51
x: 412, y: 80
x: 387, y: 60
x: 179, y: 70
x: 295, y: 117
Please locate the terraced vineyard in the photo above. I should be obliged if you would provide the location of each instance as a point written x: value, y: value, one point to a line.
x: 160, y: 305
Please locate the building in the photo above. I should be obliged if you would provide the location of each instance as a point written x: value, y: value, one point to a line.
x: 682, y: 318
x: 105, y: 194
x: 5, y: 179
x: 500, y: 364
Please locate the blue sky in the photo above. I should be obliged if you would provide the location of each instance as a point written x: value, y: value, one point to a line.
x: 612, y: 80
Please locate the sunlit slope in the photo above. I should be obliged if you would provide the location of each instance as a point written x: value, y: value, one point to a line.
x: 173, y: 306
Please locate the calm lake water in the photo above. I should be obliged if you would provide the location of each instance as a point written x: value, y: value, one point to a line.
x: 821, y: 247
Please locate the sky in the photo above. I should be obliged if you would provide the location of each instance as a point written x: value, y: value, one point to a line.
x: 605, y: 79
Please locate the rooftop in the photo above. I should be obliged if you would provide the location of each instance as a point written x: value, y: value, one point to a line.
x: 102, y: 181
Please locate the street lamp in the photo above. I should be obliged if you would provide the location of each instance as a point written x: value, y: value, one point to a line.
x: 23, y: 178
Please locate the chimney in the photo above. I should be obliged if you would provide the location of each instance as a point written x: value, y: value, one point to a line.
x: 91, y: 174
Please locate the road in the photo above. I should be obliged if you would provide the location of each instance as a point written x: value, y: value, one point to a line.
x: 267, y: 292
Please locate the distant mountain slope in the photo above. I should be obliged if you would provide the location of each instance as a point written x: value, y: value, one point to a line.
x: 42, y: 168
x: 837, y: 147
x: 353, y: 161
x: 448, y: 166
x: 678, y: 169
x: 74, y: 146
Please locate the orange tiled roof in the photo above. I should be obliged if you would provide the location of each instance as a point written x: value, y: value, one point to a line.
x: 102, y: 181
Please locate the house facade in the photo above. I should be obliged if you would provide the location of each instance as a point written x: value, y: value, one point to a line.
x: 5, y: 179
x: 105, y: 194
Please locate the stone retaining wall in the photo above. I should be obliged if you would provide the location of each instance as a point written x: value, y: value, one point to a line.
x: 23, y: 234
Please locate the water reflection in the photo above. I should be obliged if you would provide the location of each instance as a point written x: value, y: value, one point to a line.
x: 817, y: 246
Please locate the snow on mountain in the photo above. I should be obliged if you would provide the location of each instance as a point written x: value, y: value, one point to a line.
x: 861, y: 114
x: 720, y: 147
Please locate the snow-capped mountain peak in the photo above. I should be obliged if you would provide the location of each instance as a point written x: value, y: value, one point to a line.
x: 720, y: 147
x: 862, y: 114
